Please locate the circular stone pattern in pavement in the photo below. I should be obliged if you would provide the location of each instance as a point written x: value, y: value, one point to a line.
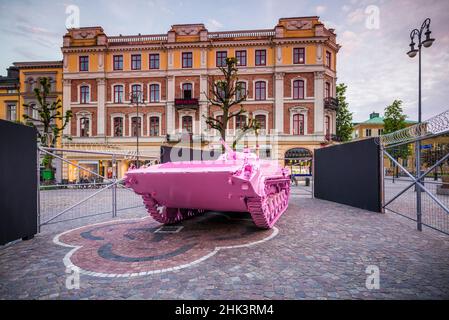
x: 130, y: 248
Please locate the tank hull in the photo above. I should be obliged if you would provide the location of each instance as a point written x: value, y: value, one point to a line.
x: 176, y: 191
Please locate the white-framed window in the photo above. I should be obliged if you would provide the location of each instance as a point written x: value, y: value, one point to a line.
x: 261, y: 116
x: 84, y: 94
x: 187, y: 120
x: 136, y: 90
x: 155, y: 92
x: 117, y: 126
x: 154, y: 124
x: 260, y: 90
x: 187, y: 90
x: 11, y: 111
x: 135, y: 125
x: 118, y: 93
x: 84, y: 124
x: 298, y: 120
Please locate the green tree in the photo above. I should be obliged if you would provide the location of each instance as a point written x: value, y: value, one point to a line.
x: 344, y: 116
x: 50, y: 122
x: 226, y: 93
x: 394, y: 120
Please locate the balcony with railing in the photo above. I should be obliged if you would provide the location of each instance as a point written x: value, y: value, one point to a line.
x: 331, y: 103
x: 186, y: 103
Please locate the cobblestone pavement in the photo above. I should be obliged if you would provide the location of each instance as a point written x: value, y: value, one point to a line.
x: 321, y: 251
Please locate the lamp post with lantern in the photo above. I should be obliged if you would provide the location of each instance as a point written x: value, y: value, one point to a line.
x: 417, y: 35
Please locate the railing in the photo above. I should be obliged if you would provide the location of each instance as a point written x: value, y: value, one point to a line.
x: 330, y: 103
x: 241, y: 34
x: 137, y: 39
x: 181, y: 103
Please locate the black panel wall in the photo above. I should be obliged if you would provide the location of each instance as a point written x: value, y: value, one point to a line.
x: 349, y: 174
x: 18, y: 182
x: 175, y: 154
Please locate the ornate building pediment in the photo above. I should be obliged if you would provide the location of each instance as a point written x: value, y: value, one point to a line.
x: 298, y: 109
x: 299, y: 25
x: 188, y: 29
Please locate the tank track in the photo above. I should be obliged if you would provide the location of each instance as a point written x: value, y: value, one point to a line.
x: 266, y: 210
x: 165, y: 215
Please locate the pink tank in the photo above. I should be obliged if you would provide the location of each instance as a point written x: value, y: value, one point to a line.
x: 236, y: 181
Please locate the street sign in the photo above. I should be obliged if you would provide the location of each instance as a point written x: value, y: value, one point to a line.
x: 426, y: 146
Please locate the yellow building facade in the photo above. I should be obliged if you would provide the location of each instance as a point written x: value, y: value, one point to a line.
x: 289, y: 73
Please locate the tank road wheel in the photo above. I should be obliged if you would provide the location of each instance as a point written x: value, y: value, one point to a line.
x: 165, y: 215
x: 266, y: 210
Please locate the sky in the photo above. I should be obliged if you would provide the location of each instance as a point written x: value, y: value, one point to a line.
x: 374, y: 35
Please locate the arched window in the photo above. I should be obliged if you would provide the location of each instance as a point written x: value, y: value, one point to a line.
x: 118, y: 127
x: 84, y: 94
x: 240, y: 121
x: 327, y: 124
x: 118, y: 94
x: 154, y: 126
x: 84, y: 127
x: 136, y: 93
x: 187, y: 123
x: 260, y: 90
x: 261, y: 119
x: 240, y: 91
x: 136, y: 126
x: 154, y: 93
x: 298, y: 89
x: 187, y: 91
x: 298, y: 124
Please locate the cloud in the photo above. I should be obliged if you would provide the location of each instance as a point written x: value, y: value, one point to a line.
x: 213, y: 25
x: 320, y: 9
x: 356, y: 16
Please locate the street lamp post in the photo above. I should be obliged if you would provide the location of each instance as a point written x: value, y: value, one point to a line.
x: 427, y: 42
x: 137, y: 98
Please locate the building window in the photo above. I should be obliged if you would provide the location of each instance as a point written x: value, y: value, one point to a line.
x: 187, y: 122
x: 327, y: 125
x: 261, y: 119
x: 240, y: 91
x: 154, y: 93
x: 298, y: 124
x: 328, y: 59
x: 299, y: 55
x: 136, y: 62
x: 187, y: 59
x: 118, y: 127
x: 154, y: 126
x: 261, y: 57
x: 368, y: 132
x: 221, y: 58
x: 84, y: 127
x: 327, y: 90
x: 298, y: 89
x: 260, y: 90
x: 240, y: 121
x: 118, y: 62
x: 241, y: 57
x: 11, y: 112
x: 380, y: 131
x: 118, y: 94
x: 136, y: 93
x: 136, y: 126
x: 154, y: 61
x: 84, y: 94
x: 187, y: 90
x: 29, y: 85
x: 84, y: 63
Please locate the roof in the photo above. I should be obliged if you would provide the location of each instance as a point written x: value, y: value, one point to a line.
x: 38, y: 64
x: 380, y: 121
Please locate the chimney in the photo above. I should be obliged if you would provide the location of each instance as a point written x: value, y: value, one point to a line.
x: 374, y: 115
